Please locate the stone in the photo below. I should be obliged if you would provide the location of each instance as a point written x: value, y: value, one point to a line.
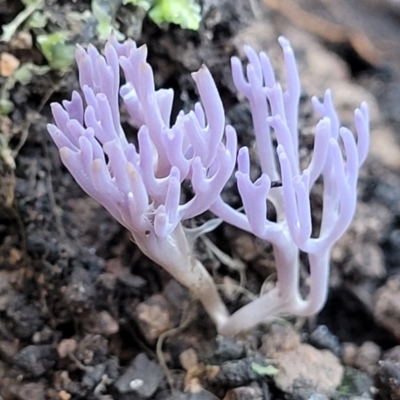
x: 188, y: 359
x: 238, y: 372
x: 307, y: 367
x: 387, y: 306
x: 349, y: 353
x: 101, y: 323
x: 368, y: 357
x: 280, y: 338
x: 154, y: 316
x: 253, y: 392
x: 393, y: 354
x: 142, y: 377
x: 66, y: 347
x: 8, y: 64
x: 299, y: 364
x: 36, y: 360
x: 92, y: 350
x: 24, y: 315
x: 388, y: 380
x: 322, y: 338
x: 229, y: 349
x: 31, y: 391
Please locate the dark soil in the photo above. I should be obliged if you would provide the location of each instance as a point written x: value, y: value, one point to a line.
x: 82, y: 310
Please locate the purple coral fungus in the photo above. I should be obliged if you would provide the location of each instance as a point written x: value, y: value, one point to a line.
x: 141, y: 187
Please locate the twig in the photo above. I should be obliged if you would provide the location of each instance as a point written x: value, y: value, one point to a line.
x: 187, y: 317
x: 11, y: 28
x: 233, y: 263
